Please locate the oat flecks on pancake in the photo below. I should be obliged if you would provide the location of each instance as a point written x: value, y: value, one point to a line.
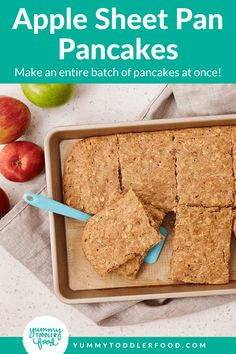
x: 201, y: 246
x: 234, y: 161
x: 204, y: 167
x: 234, y: 222
x: 148, y: 167
x: 131, y: 268
x: 91, y: 174
x: 118, y: 234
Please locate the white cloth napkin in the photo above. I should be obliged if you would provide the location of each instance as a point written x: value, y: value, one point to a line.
x: 25, y: 230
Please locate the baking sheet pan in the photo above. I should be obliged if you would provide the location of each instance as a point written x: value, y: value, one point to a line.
x: 75, y: 280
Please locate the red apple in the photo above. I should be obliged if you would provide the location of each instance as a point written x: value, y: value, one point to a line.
x: 14, y: 119
x: 21, y: 161
x: 4, y: 203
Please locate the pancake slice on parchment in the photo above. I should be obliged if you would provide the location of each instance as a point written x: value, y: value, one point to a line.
x: 118, y: 237
x: 91, y: 174
x: 204, y: 167
x: 147, y: 164
x: 201, y: 245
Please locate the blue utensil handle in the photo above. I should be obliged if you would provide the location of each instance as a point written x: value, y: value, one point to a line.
x: 154, y: 253
x: 53, y: 206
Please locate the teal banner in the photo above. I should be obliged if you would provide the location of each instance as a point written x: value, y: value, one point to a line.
x: 118, y: 41
x: 92, y: 345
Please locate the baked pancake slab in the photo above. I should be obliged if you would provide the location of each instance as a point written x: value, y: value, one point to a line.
x: 234, y: 222
x: 204, y: 167
x: 201, y: 245
x: 118, y: 234
x: 234, y: 160
x: 147, y: 164
x: 131, y: 268
x: 91, y: 174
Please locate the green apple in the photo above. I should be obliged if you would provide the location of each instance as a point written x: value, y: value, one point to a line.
x: 48, y: 95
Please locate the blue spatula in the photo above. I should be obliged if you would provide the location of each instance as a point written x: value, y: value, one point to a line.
x: 53, y: 206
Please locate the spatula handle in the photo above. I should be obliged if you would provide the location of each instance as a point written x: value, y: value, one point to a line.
x: 53, y: 206
x: 154, y: 253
